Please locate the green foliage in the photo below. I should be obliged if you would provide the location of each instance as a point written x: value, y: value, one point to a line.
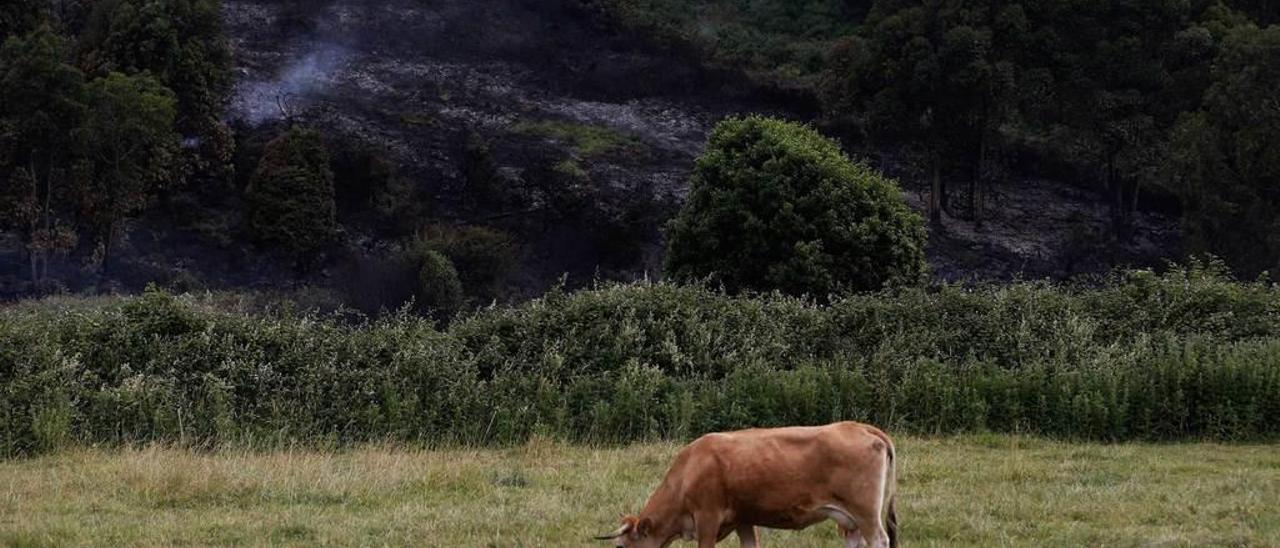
x: 291, y: 195
x: 18, y: 17
x: 44, y: 103
x: 1225, y: 159
x: 1187, y: 354
x: 484, y: 257
x: 775, y: 206
x: 562, y: 188
x: 368, y: 187
x: 82, y: 158
x: 131, y: 150
x: 181, y: 43
x: 613, y: 222
x: 486, y: 186
x: 781, y: 43
x: 439, y: 287
x: 43, y: 96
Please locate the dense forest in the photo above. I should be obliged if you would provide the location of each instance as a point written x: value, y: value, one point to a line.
x: 1144, y: 99
x: 121, y: 147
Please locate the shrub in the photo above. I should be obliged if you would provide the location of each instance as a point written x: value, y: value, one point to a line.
x: 486, y: 187
x: 439, y: 288
x: 775, y: 206
x: 291, y: 196
x: 483, y: 256
x: 642, y: 361
x: 368, y: 188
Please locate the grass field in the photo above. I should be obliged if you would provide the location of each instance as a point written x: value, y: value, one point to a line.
x: 967, y: 491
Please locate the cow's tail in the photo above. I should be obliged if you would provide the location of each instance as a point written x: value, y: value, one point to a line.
x: 890, y: 491
x: 891, y: 523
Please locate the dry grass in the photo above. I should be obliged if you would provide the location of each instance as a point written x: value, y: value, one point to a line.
x: 971, y: 491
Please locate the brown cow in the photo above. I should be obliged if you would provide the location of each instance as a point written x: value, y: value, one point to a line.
x: 783, y: 478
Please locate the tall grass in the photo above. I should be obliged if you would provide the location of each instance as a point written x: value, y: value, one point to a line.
x: 1188, y: 354
x: 955, y: 492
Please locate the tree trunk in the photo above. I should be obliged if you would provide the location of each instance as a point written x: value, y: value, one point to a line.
x: 1133, y: 202
x: 1116, y: 186
x: 973, y: 196
x: 944, y: 204
x: 35, y: 268
x: 47, y: 213
x: 32, y: 254
x: 935, y: 194
x: 106, y: 248
x: 979, y: 179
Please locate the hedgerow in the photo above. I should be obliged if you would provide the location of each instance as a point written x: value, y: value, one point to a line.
x: 1185, y: 355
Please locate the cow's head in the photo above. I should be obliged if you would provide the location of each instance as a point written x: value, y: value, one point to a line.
x: 633, y: 533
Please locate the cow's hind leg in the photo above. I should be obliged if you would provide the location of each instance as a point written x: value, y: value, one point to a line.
x: 871, y: 527
x: 747, y: 534
x: 867, y: 506
x: 878, y: 538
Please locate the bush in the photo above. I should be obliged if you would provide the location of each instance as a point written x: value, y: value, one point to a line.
x: 486, y: 187
x: 439, y: 289
x: 1125, y: 360
x: 291, y: 196
x: 484, y: 257
x: 368, y: 189
x: 775, y: 206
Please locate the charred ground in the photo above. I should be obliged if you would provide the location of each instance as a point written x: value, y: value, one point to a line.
x: 560, y: 100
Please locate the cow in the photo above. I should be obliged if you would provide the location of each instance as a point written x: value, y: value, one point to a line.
x: 781, y: 478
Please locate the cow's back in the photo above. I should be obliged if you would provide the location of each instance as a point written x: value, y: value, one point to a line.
x: 770, y: 476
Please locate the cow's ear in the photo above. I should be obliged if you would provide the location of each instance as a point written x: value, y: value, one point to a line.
x: 644, y: 527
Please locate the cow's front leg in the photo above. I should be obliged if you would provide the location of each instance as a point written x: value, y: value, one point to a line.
x: 708, y: 527
x: 747, y: 534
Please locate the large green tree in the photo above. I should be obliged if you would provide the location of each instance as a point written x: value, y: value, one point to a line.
x: 180, y: 42
x: 775, y: 206
x: 43, y: 102
x: 291, y: 194
x: 130, y: 152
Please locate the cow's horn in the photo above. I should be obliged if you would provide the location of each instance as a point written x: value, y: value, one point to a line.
x: 617, y: 533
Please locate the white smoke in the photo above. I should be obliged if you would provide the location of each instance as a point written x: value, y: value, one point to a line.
x: 259, y: 101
